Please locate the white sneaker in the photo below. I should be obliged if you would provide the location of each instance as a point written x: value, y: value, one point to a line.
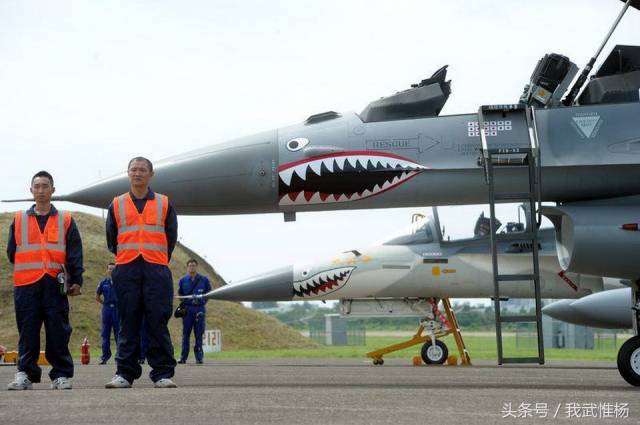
x: 164, y: 383
x: 20, y: 383
x: 118, y: 382
x: 61, y: 383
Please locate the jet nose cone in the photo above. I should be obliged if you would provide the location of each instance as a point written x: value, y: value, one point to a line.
x: 561, y: 310
x: 99, y: 194
x: 276, y: 285
x: 227, y: 178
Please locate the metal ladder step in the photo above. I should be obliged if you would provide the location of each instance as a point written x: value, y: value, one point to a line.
x: 515, y: 277
x: 515, y: 236
x: 511, y: 197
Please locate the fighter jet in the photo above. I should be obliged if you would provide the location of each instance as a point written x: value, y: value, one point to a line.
x: 406, y: 273
x: 417, y: 263
x: 398, y: 152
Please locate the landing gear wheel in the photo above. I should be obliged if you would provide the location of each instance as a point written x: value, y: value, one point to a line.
x: 378, y: 361
x: 434, y: 354
x: 629, y: 361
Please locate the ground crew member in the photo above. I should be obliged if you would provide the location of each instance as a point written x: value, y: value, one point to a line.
x: 44, y: 243
x: 109, y: 313
x: 142, y: 230
x: 193, y: 283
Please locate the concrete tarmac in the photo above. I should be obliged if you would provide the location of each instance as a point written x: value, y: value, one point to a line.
x: 332, y: 391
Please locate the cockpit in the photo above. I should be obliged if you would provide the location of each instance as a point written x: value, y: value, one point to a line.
x: 426, y: 229
x: 421, y: 231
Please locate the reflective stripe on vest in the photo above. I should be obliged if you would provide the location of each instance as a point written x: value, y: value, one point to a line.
x: 37, y: 266
x: 144, y: 233
x: 39, y: 252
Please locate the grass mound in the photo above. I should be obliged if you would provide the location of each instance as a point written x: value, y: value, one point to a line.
x: 242, y: 328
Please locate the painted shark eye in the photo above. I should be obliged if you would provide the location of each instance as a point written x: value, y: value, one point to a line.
x: 296, y: 144
x: 306, y: 272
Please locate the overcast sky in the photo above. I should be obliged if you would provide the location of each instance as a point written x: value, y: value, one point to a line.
x: 84, y: 86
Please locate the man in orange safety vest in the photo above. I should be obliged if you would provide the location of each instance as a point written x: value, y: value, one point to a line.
x: 46, y: 251
x: 142, y: 230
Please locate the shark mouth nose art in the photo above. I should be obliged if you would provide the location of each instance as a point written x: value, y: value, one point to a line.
x: 343, y: 177
x: 322, y: 283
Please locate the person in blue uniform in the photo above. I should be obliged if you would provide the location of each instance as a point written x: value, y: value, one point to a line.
x: 109, y: 313
x: 193, y: 283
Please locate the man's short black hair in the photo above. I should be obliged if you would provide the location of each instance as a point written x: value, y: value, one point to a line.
x: 111, y: 264
x: 143, y: 159
x: 42, y: 174
x: 192, y: 261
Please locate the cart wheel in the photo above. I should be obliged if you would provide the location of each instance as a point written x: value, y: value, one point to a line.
x: 434, y: 354
x: 629, y: 361
x: 378, y: 361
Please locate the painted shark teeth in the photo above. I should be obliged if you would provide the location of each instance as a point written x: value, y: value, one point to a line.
x: 362, y: 161
x: 309, y: 198
x: 322, y: 283
x: 355, y: 161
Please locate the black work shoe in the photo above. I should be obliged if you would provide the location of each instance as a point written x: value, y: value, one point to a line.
x: 181, y: 361
x: 103, y: 362
x: 199, y: 361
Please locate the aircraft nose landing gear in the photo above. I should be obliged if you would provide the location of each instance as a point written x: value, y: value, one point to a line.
x: 437, y: 326
x: 435, y: 352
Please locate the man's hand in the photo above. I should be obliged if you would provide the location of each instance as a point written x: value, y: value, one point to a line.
x: 74, y: 290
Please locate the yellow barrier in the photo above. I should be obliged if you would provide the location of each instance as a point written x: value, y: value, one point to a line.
x: 12, y: 357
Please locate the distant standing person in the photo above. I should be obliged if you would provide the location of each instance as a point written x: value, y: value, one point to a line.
x: 43, y: 244
x: 109, y: 313
x: 142, y: 229
x: 193, y: 283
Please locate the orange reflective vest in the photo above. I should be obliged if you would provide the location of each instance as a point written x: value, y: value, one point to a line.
x: 39, y: 253
x: 141, y: 234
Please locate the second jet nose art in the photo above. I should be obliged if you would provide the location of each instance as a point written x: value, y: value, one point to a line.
x: 310, y: 284
x: 342, y: 177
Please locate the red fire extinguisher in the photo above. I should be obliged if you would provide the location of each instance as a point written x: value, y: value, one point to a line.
x: 84, y: 352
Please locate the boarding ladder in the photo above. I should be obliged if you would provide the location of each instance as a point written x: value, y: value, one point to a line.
x: 509, y: 142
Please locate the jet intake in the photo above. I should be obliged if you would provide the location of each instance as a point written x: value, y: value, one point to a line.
x: 591, y: 240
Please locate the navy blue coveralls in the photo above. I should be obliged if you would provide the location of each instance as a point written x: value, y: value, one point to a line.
x: 194, y: 318
x: 109, y: 316
x: 144, y: 291
x: 144, y: 344
x: 42, y: 302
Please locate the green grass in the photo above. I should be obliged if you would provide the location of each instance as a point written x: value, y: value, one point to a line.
x: 479, y: 347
